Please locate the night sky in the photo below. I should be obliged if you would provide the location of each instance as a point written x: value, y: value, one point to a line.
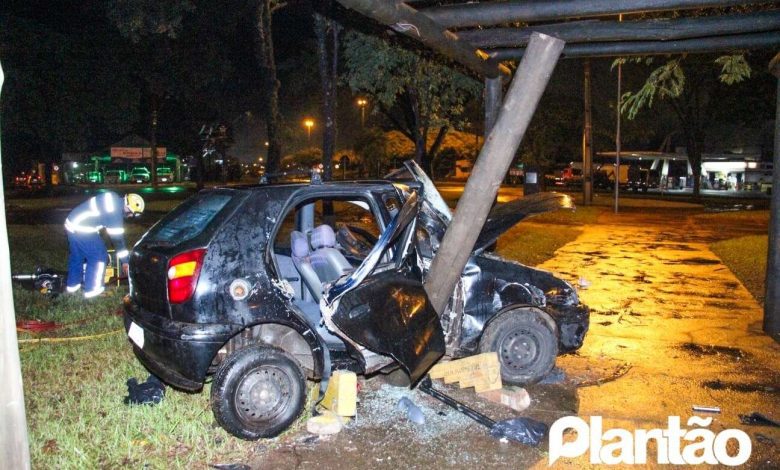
x: 75, y: 84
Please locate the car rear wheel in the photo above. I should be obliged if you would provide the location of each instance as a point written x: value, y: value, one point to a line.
x: 258, y: 392
x: 526, y: 345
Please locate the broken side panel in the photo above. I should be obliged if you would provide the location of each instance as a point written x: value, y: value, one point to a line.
x: 389, y: 313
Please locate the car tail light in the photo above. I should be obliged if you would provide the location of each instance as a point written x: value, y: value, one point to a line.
x: 183, y: 271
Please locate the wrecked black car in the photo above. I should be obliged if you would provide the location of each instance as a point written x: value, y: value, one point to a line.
x: 263, y: 287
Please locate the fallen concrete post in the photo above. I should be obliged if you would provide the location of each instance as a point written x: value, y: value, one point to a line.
x: 491, y: 166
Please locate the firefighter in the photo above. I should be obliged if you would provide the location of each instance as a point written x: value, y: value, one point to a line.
x: 88, y: 254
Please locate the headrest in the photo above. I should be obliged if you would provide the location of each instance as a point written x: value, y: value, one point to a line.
x: 299, y: 245
x: 323, y: 237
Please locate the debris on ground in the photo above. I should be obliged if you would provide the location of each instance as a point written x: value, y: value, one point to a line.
x: 325, y: 424
x: 341, y: 395
x: 514, y: 397
x: 150, y: 392
x: 523, y: 430
x: 758, y: 419
x: 583, y: 283
x: 481, y: 371
x: 413, y: 412
x: 706, y: 409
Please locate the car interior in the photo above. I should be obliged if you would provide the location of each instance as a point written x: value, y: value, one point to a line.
x: 319, y: 241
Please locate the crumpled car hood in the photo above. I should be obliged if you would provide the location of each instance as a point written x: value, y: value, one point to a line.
x: 504, y: 216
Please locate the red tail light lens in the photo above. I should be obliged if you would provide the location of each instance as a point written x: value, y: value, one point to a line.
x: 183, y: 272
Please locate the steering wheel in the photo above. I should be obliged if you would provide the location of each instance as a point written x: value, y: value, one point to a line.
x: 355, y: 240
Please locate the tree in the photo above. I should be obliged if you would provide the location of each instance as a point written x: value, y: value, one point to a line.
x: 417, y: 95
x: 55, y: 90
x: 152, y: 25
x: 371, y: 145
x: 270, y: 83
x: 692, y: 88
x: 327, y: 31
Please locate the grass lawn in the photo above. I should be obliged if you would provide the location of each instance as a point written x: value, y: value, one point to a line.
x: 746, y: 257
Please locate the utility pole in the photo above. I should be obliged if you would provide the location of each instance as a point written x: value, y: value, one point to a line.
x: 491, y: 166
x: 587, y: 141
x: 772, y: 300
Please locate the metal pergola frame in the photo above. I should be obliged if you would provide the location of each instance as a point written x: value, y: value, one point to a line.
x: 481, y: 35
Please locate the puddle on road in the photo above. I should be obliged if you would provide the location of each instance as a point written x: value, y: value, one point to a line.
x: 694, y: 261
x: 701, y: 350
x: 741, y: 387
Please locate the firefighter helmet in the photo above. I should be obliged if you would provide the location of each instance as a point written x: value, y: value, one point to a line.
x: 134, y: 204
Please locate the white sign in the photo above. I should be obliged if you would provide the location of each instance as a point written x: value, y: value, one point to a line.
x: 674, y: 445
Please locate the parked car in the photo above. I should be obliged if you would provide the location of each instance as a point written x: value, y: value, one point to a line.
x: 164, y: 174
x: 266, y: 286
x: 140, y: 174
x: 115, y: 177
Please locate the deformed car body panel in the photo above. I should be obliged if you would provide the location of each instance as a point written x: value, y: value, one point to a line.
x: 389, y: 313
x: 504, y: 216
x: 387, y: 310
x: 492, y: 284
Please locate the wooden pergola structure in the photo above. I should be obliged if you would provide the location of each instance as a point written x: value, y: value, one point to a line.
x: 481, y: 35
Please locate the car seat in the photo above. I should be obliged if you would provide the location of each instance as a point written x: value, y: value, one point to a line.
x: 302, y: 259
x: 326, y: 259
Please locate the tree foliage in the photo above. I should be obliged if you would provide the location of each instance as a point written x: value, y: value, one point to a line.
x: 136, y: 19
x: 418, y: 95
x: 54, y: 100
x: 691, y: 88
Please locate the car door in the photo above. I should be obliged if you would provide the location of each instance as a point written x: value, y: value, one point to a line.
x: 384, y: 307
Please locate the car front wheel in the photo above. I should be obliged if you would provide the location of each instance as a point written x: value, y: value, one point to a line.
x: 258, y: 392
x: 526, y: 345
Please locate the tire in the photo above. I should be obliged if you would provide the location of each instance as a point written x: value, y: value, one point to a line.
x: 526, y: 345
x: 257, y: 392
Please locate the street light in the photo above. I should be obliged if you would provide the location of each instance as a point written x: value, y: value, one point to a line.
x: 309, y: 123
x: 362, y: 102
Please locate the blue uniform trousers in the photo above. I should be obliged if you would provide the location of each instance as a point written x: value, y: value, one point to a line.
x: 86, y: 248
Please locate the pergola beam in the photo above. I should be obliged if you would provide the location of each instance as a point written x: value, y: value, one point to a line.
x: 405, y: 19
x: 632, y: 48
x: 644, y: 30
x: 490, y: 14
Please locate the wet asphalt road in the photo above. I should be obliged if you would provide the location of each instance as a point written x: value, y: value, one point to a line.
x: 671, y: 327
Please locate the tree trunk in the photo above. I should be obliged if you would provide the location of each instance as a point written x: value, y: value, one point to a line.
x: 327, y: 32
x: 153, y: 140
x: 430, y: 155
x: 270, y: 84
x: 694, y: 158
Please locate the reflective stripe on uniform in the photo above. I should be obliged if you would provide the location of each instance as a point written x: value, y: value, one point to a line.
x: 98, y: 281
x: 108, y: 201
x: 115, y: 231
x: 74, y: 226
x: 94, y: 293
x: 122, y: 254
x: 72, y: 289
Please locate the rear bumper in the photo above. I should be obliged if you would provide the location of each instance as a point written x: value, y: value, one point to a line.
x: 178, y: 353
